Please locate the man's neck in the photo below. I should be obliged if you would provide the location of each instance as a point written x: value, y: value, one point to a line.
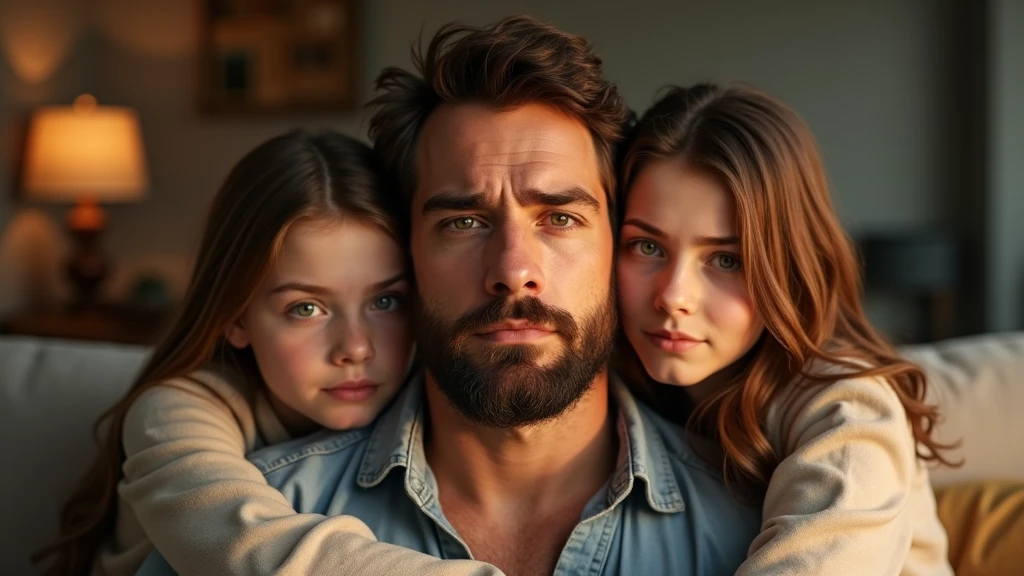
x: 483, y: 463
x: 522, y: 480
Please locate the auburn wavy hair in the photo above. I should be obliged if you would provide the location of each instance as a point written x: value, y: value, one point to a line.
x: 296, y: 176
x: 801, y: 270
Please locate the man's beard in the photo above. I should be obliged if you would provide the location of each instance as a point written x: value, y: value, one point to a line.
x: 504, y: 387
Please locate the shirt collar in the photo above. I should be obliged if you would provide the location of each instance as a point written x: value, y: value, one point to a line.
x: 397, y: 441
x: 643, y: 453
x: 396, y: 436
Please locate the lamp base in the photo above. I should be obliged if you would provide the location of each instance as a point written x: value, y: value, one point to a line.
x: 86, y: 267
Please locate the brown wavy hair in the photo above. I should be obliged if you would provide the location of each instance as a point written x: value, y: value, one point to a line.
x: 297, y: 176
x: 801, y: 270
x: 511, y: 63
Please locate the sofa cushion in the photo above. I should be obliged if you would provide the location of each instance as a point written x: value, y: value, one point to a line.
x: 985, y: 524
x: 51, y: 393
x: 977, y: 384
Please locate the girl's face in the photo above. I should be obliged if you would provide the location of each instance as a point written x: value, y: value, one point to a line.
x: 682, y: 293
x: 329, y: 326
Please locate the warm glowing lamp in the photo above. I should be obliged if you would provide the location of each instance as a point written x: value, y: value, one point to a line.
x: 85, y: 154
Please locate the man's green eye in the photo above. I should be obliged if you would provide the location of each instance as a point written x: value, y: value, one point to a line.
x: 561, y: 220
x: 464, y: 223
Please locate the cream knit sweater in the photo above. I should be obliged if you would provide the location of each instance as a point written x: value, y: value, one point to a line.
x: 189, y: 490
x: 849, y: 497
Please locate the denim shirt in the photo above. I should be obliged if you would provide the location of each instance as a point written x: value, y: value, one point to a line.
x: 662, y: 511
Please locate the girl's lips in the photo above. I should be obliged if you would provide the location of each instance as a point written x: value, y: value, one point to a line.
x: 672, y: 345
x: 356, y: 392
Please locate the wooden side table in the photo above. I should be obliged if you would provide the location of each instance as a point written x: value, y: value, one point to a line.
x: 104, y: 322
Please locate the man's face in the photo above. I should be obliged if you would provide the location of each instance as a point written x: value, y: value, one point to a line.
x: 512, y: 249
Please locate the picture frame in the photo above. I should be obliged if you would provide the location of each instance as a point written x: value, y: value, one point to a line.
x: 278, y: 56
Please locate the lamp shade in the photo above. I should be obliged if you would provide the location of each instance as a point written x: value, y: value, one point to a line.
x: 86, y: 152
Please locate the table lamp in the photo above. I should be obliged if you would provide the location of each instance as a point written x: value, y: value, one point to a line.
x: 86, y: 154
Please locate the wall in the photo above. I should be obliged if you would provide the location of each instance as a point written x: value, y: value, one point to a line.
x: 865, y: 76
x: 46, y: 56
x: 147, y: 60
x: 1005, y: 168
x: 6, y: 146
x: 871, y: 103
x: 869, y: 77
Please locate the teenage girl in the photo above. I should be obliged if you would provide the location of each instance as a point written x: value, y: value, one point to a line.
x: 295, y: 319
x: 737, y: 284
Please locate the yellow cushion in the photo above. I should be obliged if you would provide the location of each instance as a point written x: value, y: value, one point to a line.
x: 985, y: 523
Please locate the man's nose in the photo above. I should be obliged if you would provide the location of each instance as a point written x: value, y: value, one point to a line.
x: 513, y: 258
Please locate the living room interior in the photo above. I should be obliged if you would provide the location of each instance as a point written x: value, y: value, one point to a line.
x: 912, y: 104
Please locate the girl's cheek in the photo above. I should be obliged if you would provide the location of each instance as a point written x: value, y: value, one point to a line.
x: 388, y: 332
x: 631, y: 293
x: 293, y: 343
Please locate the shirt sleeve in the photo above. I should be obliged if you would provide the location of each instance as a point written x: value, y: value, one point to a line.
x: 210, y: 511
x: 839, y: 501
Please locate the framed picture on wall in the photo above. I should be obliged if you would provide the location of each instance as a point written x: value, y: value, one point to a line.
x: 268, y: 56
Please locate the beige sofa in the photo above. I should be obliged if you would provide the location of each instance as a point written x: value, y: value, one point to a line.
x: 52, y: 391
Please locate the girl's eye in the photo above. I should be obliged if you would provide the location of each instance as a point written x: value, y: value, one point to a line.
x: 385, y: 303
x: 560, y: 220
x: 647, y: 248
x: 306, y: 310
x: 463, y: 223
x: 727, y: 262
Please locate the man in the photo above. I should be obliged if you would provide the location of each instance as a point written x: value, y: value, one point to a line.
x: 510, y: 451
x: 514, y: 447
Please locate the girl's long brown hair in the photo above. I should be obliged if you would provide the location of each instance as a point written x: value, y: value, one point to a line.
x: 801, y: 270
x: 295, y: 176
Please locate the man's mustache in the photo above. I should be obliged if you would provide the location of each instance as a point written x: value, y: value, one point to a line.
x: 527, y: 308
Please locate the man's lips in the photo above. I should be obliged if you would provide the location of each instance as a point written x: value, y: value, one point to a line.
x: 353, y: 390
x: 513, y: 332
x: 673, y: 341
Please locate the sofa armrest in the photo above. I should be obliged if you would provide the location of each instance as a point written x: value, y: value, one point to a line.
x: 51, y: 393
x: 977, y: 384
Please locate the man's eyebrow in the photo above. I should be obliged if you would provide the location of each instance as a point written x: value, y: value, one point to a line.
x: 453, y: 201
x: 458, y: 201
x: 571, y: 195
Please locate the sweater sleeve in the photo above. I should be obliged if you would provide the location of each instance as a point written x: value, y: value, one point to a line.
x: 840, y: 501
x: 210, y: 511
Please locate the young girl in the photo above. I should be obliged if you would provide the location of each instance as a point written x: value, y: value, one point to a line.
x: 737, y: 283
x: 294, y: 319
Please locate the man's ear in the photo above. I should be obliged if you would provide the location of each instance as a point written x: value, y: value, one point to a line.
x: 237, y: 335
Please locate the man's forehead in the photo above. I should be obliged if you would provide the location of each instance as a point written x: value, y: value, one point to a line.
x: 462, y: 123
x: 534, y: 146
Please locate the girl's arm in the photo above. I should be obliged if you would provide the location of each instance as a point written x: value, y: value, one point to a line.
x: 210, y: 511
x: 849, y: 494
